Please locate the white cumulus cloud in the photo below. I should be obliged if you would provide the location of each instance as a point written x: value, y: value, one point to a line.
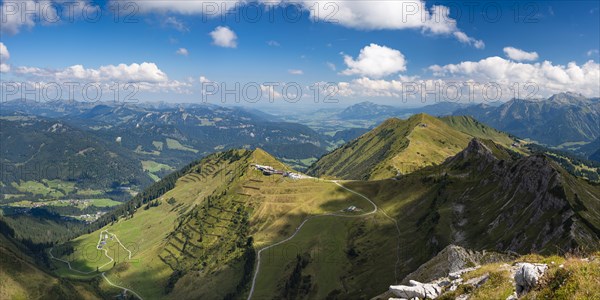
x: 295, y: 72
x: 492, y: 78
x: 375, y: 61
x: 520, y: 55
x: 182, y: 52
x: 13, y: 19
x: 394, y: 15
x: 25, y: 14
x: 186, y: 7
x: 464, y: 38
x: 546, y: 76
x: 4, y: 56
x: 364, y: 15
x: 224, y: 37
x: 144, y: 72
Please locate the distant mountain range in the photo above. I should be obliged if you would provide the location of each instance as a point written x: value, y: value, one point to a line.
x: 198, y: 128
x: 374, y: 112
x: 565, y: 120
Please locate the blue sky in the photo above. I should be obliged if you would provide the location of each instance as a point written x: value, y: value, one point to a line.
x: 174, y: 39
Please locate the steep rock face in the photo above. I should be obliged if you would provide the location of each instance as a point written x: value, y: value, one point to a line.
x: 534, y: 199
x: 452, y: 259
x: 536, y: 175
x: 488, y: 198
x: 529, y: 204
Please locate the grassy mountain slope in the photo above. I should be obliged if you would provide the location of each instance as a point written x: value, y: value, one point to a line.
x: 198, y: 240
x: 484, y: 198
x: 402, y: 146
x: 21, y: 278
x: 477, y: 129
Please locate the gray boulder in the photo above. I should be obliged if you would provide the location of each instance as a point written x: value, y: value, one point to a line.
x: 527, y: 276
x: 417, y: 290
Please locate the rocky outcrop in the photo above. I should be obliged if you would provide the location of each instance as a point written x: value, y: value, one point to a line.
x: 451, y: 261
x: 527, y: 276
x: 445, y: 273
x: 475, y: 151
x: 436, y: 288
x: 417, y: 290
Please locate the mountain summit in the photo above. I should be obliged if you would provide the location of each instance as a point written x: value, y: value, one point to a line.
x: 402, y: 146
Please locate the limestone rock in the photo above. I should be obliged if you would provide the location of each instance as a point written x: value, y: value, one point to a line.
x: 527, y: 276
x: 416, y: 290
x: 458, y: 274
x: 454, y: 259
x: 478, y: 281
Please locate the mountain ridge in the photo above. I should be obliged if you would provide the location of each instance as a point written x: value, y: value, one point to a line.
x: 221, y: 210
x: 400, y: 146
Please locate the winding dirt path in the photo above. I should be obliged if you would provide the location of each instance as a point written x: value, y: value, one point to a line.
x: 120, y: 287
x: 108, y: 256
x: 375, y: 210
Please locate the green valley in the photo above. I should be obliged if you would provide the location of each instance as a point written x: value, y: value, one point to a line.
x: 226, y: 230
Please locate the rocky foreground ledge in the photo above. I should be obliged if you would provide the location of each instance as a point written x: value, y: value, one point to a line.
x: 510, y: 278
